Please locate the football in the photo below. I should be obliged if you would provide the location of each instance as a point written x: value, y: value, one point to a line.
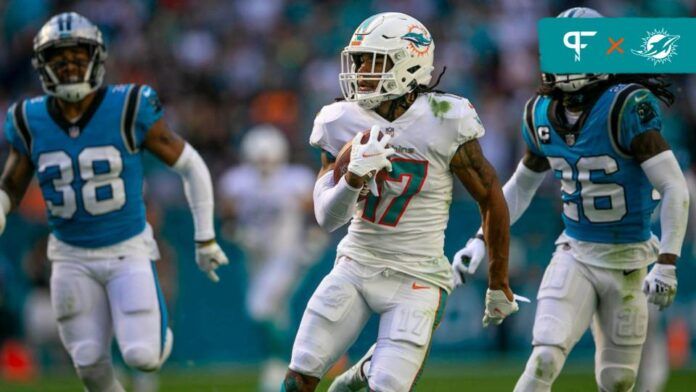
x: 343, y: 159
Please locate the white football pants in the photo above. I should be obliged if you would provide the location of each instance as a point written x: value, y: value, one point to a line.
x: 94, y: 299
x: 409, y: 310
x: 574, y: 295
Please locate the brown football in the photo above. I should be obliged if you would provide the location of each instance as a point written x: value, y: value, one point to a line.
x: 343, y: 159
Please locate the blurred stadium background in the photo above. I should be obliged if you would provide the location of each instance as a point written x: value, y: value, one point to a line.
x: 223, y: 66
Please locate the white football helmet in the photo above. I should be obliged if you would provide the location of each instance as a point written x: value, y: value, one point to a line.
x: 573, y: 82
x: 66, y: 30
x: 397, y: 37
x: 265, y: 146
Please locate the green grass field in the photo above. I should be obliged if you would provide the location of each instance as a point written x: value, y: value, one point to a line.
x: 438, y: 379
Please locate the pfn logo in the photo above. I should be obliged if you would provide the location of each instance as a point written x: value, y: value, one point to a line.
x: 572, y: 40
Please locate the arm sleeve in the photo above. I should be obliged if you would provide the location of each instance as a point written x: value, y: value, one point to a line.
x: 148, y: 111
x: 519, y: 191
x: 12, y: 134
x: 334, y: 205
x: 665, y: 175
x: 640, y: 113
x: 198, y: 188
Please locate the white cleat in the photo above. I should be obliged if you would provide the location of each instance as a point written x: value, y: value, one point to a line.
x: 355, y: 378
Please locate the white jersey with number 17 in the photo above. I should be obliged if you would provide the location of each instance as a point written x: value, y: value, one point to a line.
x: 404, y: 228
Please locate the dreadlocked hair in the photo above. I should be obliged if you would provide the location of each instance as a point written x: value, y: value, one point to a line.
x: 406, y: 100
x: 658, y: 84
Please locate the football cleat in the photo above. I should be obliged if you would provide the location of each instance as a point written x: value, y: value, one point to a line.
x: 355, y: 378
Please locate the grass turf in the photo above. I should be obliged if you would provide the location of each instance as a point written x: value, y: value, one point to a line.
x: 436, y: 379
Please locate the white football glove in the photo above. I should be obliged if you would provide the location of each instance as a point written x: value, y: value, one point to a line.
x: 209, y: 258
x: 467, y: 260
x: 371, y: 157
x: 660, y: 285
x: 498, y: 307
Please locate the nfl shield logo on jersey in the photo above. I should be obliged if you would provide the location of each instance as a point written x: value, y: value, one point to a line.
x: 74, y: 131
x: 570, y: 139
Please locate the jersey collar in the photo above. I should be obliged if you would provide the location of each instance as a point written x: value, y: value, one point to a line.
x: 560, y: 123
x: 69, y: 127
x: 408, y: 116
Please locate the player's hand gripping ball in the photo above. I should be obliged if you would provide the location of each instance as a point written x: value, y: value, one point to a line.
x: 369, y: 158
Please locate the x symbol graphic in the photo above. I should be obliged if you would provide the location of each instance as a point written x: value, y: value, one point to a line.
x: 615, y: 45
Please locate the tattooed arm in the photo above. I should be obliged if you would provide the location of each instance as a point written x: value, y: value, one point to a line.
x: 480, y: 179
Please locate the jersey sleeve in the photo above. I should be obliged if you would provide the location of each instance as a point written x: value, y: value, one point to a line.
x: 460, y: 119
x: 528, y: 132
x: 12, y: 133
x: 149, y: 111
x: 322, y: 136
x: 640, y: 113
x: 469, y: 126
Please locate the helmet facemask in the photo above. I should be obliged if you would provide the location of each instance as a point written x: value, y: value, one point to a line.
x: 70, y: 90
x: 380, y: 72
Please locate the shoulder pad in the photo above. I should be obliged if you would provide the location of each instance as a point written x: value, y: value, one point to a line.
x: 332, y: 112
x: 449, y: 106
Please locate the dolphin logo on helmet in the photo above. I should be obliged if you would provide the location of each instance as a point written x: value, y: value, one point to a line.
x: 418, y: 39
x: 64, y: 30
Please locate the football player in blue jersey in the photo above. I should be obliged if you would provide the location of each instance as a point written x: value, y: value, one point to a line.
x: 85, y: 143
x: 600, y: 136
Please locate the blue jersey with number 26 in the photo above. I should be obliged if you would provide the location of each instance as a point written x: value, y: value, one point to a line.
x: 607, y: 198
x: 90, y: 172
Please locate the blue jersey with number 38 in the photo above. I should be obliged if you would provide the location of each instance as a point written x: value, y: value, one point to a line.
x: 90, y: 172
x: 606, y: 196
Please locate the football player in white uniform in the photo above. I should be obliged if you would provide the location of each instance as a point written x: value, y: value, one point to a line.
x: 85, y: 142
x: 391, y: 262
x: 267, y: 205
x: 600, y: 136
